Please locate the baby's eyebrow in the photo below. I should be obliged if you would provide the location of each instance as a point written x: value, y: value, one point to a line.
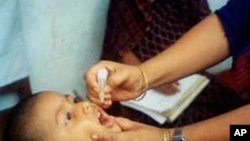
x: 75, y: 93
x: 67, y: 97
x: 77, y: 96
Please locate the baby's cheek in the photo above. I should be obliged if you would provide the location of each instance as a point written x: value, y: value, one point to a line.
x: 84, y: 132
x: 92, y: 126
x: 116, y: 128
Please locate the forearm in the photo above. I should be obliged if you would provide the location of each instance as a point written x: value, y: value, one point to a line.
x: 203, y: 46
x: 217, y: 129
x: 214, y: 129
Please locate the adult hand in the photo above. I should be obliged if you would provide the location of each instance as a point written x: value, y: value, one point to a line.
x: 124, y: 82
x: 131, y: 131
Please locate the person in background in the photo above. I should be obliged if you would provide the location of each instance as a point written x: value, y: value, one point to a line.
x: 224, y: 33
x: 139, y: 30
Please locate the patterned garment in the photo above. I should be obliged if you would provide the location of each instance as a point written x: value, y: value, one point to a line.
x: 147, y: 27
x: 125, y: 27
x: 170, y: 20
x: 241, y: 75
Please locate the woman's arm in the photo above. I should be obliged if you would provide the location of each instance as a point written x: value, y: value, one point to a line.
x: 214, y: 129
x: 218, y: 128
x: 204, y: 45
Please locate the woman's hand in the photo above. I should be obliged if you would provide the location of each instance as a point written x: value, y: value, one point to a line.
x: 131, y: 131
x: 124, y: 82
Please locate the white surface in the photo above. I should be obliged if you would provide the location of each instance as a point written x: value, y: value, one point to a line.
x: 8, y: 100
x: 63, y: 39
x: 52, y: 41
x: 12, y: 53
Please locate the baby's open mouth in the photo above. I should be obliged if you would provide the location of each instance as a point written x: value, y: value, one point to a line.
x: 104, y: 118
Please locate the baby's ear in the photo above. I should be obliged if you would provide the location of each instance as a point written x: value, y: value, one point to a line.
x: 77, y: 99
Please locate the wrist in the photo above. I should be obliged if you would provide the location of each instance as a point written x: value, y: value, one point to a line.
x: 167, y: 134
x: 172, y: 134
x: 144, y: 78
x: 143, y: 84
x: 177, y: 135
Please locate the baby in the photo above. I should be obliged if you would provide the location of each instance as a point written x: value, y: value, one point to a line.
x: 50, y: 116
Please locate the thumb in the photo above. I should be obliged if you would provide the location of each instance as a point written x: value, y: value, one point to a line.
x: 126, y: 124
x: 109, y: 136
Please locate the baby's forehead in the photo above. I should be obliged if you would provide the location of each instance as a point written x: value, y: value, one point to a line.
x: 44, y: 111
x: 53, y: 95
x: 46, y: 105
x: 50, y: 93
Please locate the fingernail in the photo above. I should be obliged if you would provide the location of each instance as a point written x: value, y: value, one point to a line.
x: 94, y: 136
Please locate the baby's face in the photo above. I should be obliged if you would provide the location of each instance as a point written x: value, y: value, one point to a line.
x: 65, y: 119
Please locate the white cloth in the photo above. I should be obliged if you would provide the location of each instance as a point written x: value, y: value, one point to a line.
x: 12, y: 53
x: 62, y: 39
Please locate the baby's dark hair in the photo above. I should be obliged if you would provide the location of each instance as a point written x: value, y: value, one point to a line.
x: 20, y: 125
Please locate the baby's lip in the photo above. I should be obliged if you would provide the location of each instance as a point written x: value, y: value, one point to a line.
x: 103, y: 117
